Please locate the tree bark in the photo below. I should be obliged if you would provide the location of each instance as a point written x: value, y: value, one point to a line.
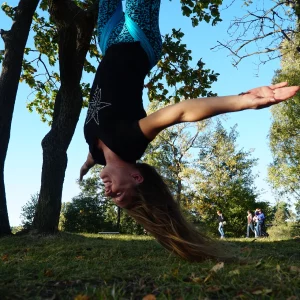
x: 15, y: 41
x: 119, y: 219
x: 75, y: 28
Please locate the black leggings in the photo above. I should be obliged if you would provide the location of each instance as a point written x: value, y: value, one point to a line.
x: 139, y: 23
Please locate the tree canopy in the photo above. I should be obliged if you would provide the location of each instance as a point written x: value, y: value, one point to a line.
x: 224, y: 179
x: 284, y: 171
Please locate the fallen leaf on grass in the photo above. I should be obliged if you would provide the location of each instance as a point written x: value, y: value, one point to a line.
x: 213, y: 288
x: 292, y: 298
x: 240, y: 296
x: 246, y: 249
x: 294, y: 269
x: 259, y: 263
x: 193, y: 278
x: 261, y: 291
x: 234, y: 272
x: 4, y: 257
x: 278, y: 268
x: 208, y: 277
x: 257, y: 292
x: 217, y: 267
x: 175, y: 272
x: 82, y: 297
x: 196, y: 279
x: 48, y: 273
x: 149, y: 297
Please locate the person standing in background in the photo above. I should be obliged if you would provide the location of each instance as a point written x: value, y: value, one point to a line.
x: 222, y: 222
x: 261, y: 222
x: 255, y: 219
x: 250, y: 223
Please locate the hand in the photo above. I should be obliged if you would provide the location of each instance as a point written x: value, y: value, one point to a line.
x: 266, y: 96
x: 89, y: 163
x: 83, y: 171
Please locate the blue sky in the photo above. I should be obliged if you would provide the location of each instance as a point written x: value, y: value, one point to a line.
x: 24, y: 159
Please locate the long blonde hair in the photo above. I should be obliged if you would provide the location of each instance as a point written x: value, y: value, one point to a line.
x: 157, y: 211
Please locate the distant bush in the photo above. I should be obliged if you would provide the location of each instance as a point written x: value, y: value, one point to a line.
x: 288, y: 230
x: 85, y: 214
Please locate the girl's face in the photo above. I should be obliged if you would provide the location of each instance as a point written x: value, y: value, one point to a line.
x: 120, y: 183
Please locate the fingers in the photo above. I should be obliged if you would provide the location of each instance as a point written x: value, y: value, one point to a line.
x: 294, y: 89
x: 286, y: 93
x: 278, y: 85
x: 83, y: 171
x: 81, y: 176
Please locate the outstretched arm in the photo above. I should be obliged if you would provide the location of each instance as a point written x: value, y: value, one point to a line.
x: 193, y: 110
x: 89, y: 163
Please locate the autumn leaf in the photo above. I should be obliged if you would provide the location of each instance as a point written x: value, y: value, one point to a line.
x: 217, y: 267
x: 246, y: 249
x: 240, y: 295
x: 149, y: 297
x: 213, y: 288
x: 257, y: 292
x: 4, y: 257
x: 197, y: 280
x: 261, y: 291
x: 48, y: 273
x: 82, y: 297
x: 294, y: 269
x: 258, y: 264
x: 234, y: 272
x: 208, y: 277
x: 278, y: 268
x: 175, y: 272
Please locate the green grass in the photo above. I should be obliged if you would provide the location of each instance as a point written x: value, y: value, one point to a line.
x: 85, y: 267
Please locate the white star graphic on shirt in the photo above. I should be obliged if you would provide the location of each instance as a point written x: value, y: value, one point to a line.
x: 94, y: 106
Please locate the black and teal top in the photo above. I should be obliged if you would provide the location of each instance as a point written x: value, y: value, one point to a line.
x: 131, y: 44
x: 116, y: 103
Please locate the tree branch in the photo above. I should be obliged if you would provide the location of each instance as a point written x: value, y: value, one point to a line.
x: 280, y: 25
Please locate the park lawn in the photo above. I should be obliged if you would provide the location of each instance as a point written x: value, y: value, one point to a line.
x: 82, y: 267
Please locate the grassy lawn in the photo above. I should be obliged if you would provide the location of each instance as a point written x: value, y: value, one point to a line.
x: 85, y: 267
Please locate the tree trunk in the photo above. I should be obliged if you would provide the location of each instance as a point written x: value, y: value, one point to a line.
x: 15, y: 41
x: 119, y: 219
x: 178, y: 190
x: 75, y: 28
